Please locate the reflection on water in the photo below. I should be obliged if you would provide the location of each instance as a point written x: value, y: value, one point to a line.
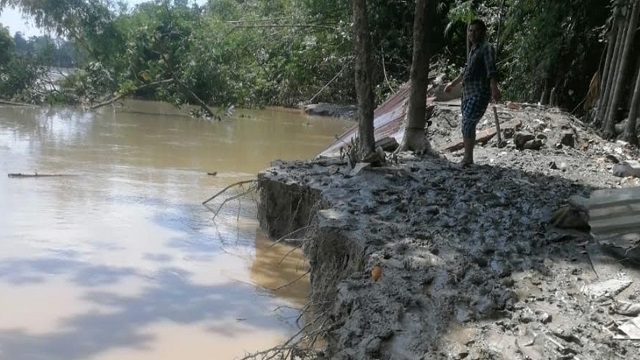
x: 280, y: 266
x: 122, y: 261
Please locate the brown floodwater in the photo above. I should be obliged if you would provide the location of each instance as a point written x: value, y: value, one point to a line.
x: 120, y: 260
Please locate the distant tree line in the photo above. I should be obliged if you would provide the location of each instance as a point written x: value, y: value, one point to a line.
x: 286, y: 52
x: 55, y: 52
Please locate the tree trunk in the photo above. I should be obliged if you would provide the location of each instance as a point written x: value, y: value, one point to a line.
x: 414, y: 135
x: 610, y: 130
x: 608, y: 81
x: 631, y: 134
x: 363, y: 70
x: 607, y: 63
x: 544, y: 97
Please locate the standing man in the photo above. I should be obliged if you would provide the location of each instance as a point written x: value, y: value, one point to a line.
x: 479, y: 85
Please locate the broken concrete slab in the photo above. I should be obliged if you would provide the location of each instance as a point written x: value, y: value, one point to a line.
x: 388, y: 144
x: 521, y: 138
x: 626, y: 308
x: 534, y: 144
x: 626, y: 169
x: 332, y: 110
x: 631, y: 329
x: 358, y: 168
x: 607, y: 288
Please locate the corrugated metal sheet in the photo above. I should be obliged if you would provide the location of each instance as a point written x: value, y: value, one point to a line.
x: 388, y: 121
x: 614, y: 217
x: 614, y: 211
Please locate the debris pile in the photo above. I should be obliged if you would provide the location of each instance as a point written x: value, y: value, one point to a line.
x: 425, y: 259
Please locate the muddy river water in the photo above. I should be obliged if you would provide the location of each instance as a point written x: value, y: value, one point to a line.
x: 119, y: 260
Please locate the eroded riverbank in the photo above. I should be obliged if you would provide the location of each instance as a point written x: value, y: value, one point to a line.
x: 471, y: 263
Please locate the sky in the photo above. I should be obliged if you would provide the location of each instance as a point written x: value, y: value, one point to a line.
x: 15, y: 21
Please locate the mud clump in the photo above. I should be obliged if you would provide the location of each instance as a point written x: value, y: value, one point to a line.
x: 470, y: 264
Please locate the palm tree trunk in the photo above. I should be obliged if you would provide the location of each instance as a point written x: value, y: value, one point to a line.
x: 631, y: 133
x: 414, y: 136
x: 363, y: 70
x: 610, y: 131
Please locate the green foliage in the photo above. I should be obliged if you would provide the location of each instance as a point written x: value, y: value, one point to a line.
x: 23, y: 70
x: 284, y: 52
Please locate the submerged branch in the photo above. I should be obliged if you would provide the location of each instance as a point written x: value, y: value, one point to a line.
x: 20, y: 175
x: 292, y: 281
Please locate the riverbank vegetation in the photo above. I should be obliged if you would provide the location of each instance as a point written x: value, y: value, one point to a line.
x: 581, y: 55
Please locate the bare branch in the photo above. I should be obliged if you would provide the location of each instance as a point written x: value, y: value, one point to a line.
x: 239, y: 183
x: 111, y: 101
x: 285, y: 26
x: 291, y: 282
x: 284, y: 237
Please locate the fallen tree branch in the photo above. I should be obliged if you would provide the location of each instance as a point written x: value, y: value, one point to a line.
x: 111, y: 101
x: 239, y: 183
x: 6, y: 102
x: 327, y: 84
x: 215, y: 214
x: 185, y: 88
x: 285, y: 350
x: 20, y: 175
x: 288, y: 253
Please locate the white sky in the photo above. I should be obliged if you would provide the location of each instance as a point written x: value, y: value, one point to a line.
x: 15, y: 21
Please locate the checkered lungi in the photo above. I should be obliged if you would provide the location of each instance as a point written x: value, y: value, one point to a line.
x: 473, y: 109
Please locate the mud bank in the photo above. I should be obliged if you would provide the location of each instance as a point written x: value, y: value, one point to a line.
x: 472, y: 266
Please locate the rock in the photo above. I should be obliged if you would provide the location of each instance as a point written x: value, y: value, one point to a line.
x: 535, y: 144
x: 627, y: 309
x: 612, y: 158
x: 607, y: 288
x: 625, y: 169
x: 508, y: 133
x: 631, y: 329
x: 341, y: 111
x: 388, y: 144
x: 372, y: 345
x: 500, y: 267
x: 567, y: 138
x: 358, y: 168
x: 521, y: 137
x: 513, y: 105
x: 564, y: 138
x: 544, y: 318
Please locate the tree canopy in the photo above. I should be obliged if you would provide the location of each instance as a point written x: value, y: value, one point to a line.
x: 286, y: 52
